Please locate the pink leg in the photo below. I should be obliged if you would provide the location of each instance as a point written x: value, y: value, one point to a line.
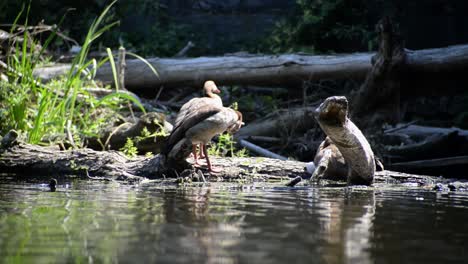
x: 201, y: 151
x: 194, y: 153
x: 196, y: 161
x: 210, y: 168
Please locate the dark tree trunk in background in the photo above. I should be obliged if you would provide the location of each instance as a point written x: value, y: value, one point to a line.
x: 378, y: 99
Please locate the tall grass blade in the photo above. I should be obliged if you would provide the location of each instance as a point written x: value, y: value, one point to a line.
x: 144, y: 61
x: 122, y: 95
x: 114, y: 69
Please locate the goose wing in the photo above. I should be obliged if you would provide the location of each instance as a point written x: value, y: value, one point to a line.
x: 194, y: 105
x: 189, y: 120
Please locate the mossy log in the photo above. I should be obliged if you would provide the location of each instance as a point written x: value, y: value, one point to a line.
x: 26, y: 159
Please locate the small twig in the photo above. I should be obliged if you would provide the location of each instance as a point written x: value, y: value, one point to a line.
x: 112, y: 133
x: 69, y: 134
x: 304, y: 94
x: 19, y: 74
x: 264, y: 139
x: 159, y: 93
x: 294, y: 181
x: 322, y: 166
x: 121, y: 67
x: 391, y: 130
x: 200, y: 174
x: 181, y: 95
x: 40, y: 29
x: 183, y: 52
x: 97, y: 178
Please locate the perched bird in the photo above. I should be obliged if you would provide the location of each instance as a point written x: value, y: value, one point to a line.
x: 200, y: 125
x: 211, y: 92
x: 53, y: 184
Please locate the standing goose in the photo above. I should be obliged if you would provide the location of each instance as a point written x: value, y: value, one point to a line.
x: 211, y: 92
x: 201, y: 125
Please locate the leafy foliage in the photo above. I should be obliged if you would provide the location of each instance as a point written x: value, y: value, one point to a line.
x: 164, y: 38
x: 129, y: 149
x: 324, y: 26
x: 61, y: 108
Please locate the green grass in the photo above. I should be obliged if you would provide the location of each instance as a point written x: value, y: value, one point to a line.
x: 62, y: 108
x: 226, y: 147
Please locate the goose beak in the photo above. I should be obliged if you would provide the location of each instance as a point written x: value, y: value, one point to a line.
x: 316, y: 112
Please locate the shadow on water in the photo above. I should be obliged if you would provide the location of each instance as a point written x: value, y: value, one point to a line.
x: 98, y: 222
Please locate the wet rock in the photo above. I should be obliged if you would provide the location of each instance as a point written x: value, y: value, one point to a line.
x: 440, y: 187
x: 458, y: 186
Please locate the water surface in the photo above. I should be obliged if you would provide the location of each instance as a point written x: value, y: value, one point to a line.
x: 98, y: 222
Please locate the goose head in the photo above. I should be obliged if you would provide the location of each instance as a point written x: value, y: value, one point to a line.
x: 210, y: 89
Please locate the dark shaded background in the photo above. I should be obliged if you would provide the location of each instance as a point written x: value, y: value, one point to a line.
x: 163, y: 27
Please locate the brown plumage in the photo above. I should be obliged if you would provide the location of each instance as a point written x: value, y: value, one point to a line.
x: 211, y: 92
x: 201, y: 125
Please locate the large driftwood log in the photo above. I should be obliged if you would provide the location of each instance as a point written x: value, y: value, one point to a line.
x: 266, y: 70
x: 31, y: 159
x: 26, y: 159
x: 332, y: 116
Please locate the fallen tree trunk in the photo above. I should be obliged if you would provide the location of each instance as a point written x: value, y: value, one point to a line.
x: 449, y: 166
x: 25, y: 158
x: 433, y: 146
x: 426, y: 143
x: 417, y: 131
x: 430, y: 150
x: 33, y: 160
x: 266, y: 70
x: 431, y: 163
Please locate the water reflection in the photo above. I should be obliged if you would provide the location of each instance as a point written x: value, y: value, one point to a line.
x: 347, y: 227
x: 227, y: 223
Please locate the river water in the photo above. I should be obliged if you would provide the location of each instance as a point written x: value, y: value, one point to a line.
x: 99, y: 222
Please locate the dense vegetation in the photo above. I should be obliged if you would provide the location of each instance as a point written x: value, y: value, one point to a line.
x: 61, y: 108
x: 314, y: 26
x: 164, y: 38
x: 154, y: 28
